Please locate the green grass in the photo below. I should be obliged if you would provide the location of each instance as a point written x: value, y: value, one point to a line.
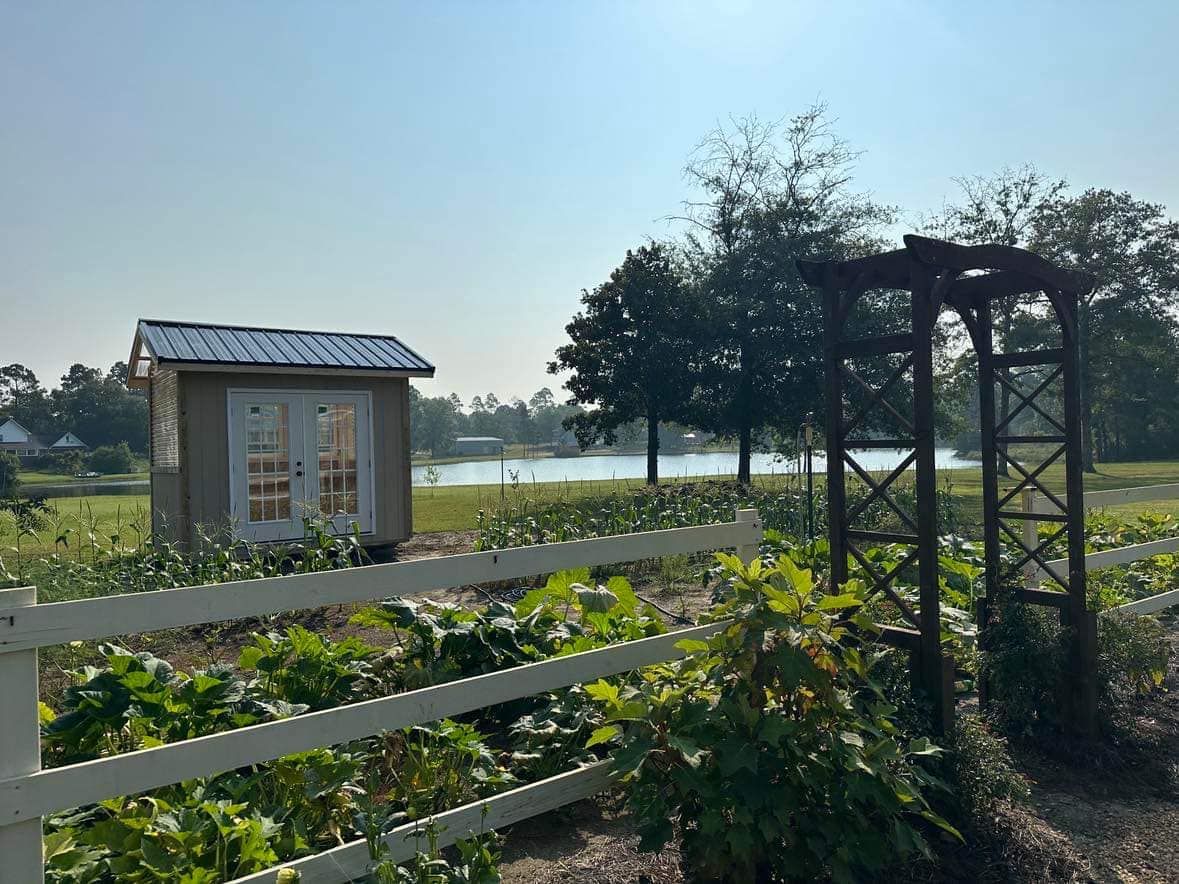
x: 105, y: 515
x: 967, y: 483
x: 455, y: 507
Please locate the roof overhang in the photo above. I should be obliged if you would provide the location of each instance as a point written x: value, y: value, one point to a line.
x: 254, y: 368
x: 139, y: 363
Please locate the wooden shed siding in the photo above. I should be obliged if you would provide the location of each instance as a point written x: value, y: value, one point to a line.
x: 164, y: 407
x: 169, y: 511
x: 206, y: 444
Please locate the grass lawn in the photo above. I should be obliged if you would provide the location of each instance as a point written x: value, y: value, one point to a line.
x: 455, y: 507
x: 966, y: 484
x: 104, y: 515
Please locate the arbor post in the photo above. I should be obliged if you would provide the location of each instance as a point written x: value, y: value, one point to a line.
x: 1081, y: 692
x: 930, y: 661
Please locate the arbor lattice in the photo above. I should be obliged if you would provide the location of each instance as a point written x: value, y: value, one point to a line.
x: 967, y: 279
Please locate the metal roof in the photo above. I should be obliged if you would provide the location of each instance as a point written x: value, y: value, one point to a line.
x: 197, y: 343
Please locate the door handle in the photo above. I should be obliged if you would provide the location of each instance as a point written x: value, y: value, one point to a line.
x: 298, y: 473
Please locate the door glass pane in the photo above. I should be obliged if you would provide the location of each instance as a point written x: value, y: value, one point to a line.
x: 336, y: 435
x: 268, y: 462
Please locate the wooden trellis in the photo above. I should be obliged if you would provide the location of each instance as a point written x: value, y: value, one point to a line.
x: 967, y: 279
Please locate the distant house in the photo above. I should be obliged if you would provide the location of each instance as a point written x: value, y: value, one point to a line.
x: 69, y: 442
x: 478, y: 445
x: 18, y: 439
x: 565, y: 443
x: 696, y: 439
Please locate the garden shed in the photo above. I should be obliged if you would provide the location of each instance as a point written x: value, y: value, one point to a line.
x: 252, y: 429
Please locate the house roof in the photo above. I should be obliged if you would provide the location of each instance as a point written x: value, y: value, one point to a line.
x: 31, y: 440
x: 69, y: 440
x: 5, y: 421
x: 200, y: 345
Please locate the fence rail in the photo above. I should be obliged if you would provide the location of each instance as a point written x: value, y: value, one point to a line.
x: 27, y: 792
x: 1039, y: 504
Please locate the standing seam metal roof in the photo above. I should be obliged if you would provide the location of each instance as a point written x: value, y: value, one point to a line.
x: 240, y: 345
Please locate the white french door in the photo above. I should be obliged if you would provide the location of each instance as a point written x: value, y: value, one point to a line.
x: 299, y: 454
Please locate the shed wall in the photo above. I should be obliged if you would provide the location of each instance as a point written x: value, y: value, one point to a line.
x: 204, y: 445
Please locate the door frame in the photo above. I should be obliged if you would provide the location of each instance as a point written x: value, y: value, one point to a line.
x: 302, y: 393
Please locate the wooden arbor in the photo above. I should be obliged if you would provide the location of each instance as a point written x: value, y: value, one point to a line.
x: 967, y: 279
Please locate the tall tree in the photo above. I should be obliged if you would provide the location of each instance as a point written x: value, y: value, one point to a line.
x: 22, y: 397
x: 632, y: 350
x: 1131, y: 248
x: 99, y: 408
x: 1001, y: 208
x: 1136, y: 399
x: 542, y: 398
x: 769, y: 193
x: 432, y: 425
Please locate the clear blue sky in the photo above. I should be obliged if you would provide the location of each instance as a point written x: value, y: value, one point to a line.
x: 454, y: 173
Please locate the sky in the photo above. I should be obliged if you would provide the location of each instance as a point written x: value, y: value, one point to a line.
x: 455, y: 173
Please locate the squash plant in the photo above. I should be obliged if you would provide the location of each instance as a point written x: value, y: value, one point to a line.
x: 771, y: 743
x: 138, y: 700
x: 308, y: 669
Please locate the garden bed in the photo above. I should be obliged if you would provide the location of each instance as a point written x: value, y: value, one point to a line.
x: 1102, y: 822
x: 1114, y: 823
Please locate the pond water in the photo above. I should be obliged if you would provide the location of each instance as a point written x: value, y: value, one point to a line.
x: 634, y: 466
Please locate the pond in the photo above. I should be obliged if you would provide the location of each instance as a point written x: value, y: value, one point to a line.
x: 709, y: 464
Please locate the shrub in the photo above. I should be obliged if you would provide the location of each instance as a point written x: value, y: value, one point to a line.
x: 9, y: 480
x: 1025, y: 662
x: 1022, y: 665
x: 980, y: 770
x: 1132, y: 658
x: 771, y: 742
x: 112, y: 459
x: 65, y: 462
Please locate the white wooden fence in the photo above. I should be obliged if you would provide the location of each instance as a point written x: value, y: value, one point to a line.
x: 27, y: 793
x: 1037, y: 503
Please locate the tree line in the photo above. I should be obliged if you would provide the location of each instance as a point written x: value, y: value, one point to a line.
x: 715, y: 329
x: 435, y: 422
x: 93, y: 404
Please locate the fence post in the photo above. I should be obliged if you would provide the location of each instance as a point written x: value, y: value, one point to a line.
x: 21, y: 854
x: 747, y: 552
x: 1031, y: 537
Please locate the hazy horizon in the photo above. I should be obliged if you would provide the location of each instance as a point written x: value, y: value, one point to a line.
x: 455, y: 174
